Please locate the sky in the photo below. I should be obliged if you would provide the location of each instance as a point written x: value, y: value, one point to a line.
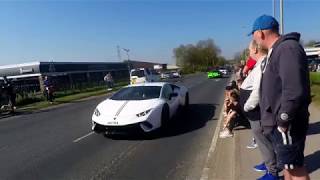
x: 91, y: 30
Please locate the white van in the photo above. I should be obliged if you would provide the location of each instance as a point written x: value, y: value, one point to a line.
x: 142, y: 75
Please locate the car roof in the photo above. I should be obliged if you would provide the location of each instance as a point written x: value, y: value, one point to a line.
x: 148, y: 84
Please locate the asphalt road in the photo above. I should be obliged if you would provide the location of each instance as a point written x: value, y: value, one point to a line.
x: 59, y: 144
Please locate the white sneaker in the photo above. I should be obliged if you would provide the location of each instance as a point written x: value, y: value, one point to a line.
x: 252, y: 146
x: 222, y: 132
x: 225, y: 134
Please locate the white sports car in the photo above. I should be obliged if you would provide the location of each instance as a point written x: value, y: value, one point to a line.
x: 145, y: 106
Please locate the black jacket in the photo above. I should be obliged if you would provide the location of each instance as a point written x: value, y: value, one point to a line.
x: 285, y: 88
x: 253, y: 115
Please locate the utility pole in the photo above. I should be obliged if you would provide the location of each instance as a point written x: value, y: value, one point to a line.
x: 127, y: 51
x: 119, y: 53
x: 281, y: 17
x: 274, y: 8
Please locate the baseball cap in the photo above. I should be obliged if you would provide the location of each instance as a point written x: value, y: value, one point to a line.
x: 264, y: 22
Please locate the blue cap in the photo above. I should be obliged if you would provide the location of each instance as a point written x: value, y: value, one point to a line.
x: 264, y: 22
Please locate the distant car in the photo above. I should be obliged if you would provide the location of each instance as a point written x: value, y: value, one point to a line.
x: 166, y: 75
x: 142, y: 75
x: 214, y: 74
x: 145, y: 107
x: 170, y: 75
x: 176, y: 74
x: 223, y: 71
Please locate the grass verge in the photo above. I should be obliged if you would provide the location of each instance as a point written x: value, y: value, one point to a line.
x: 315, y: 87
x: 315, y: 92
x: 67, y: 99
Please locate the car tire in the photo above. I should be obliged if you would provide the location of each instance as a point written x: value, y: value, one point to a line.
x: 165, y: 115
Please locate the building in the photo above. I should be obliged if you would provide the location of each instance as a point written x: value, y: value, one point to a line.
x: 313, y: 55
x: 28, y: 77
x: 65, y: 75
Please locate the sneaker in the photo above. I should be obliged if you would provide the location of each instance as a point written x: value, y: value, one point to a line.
x: 223, y: 131
x: 268, y: 176
x: 253, y: 145
x: 260, y: 167
x: 225, y: 134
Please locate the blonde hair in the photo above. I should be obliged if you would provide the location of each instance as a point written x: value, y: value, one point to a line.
x: 258, y: 47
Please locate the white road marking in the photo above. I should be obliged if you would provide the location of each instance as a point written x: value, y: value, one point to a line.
x: 80, y: 138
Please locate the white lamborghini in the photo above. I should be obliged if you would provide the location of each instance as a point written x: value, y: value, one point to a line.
x: 147, y: 106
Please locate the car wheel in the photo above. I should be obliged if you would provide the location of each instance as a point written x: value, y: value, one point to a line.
x: 165, y: 115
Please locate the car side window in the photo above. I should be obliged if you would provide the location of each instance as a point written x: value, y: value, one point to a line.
x: 166, y: 91
x: 175, y: 88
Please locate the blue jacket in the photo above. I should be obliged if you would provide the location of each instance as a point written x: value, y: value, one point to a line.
x: 285, y: 88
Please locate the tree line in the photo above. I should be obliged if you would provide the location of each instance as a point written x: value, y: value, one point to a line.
x: 201, y: 56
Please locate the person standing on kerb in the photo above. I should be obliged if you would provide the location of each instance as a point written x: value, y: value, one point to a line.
x: 284, y: 95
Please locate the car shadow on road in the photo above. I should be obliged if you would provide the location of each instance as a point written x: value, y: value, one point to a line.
x: 312, y: 161
x: 314, y: 128
x: 193, y: 118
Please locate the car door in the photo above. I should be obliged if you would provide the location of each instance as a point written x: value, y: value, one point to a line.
x: 171, y: 101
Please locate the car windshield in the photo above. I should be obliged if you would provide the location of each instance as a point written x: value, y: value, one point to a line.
x: 137, y: 93
x: 139, y: 73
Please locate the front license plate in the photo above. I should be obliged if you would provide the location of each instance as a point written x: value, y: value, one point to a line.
x: 113, y: 122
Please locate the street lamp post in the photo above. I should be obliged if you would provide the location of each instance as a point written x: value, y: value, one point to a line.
x: 274, y: 8
x: 281, y: 17
x: 128, y: 62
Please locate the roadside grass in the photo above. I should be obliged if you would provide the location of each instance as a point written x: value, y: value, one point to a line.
x: 315, y: 93
x: 315, y: 87
x: 315, y: 78
x: 71, y: 98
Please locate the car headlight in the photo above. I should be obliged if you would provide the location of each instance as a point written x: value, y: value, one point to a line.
x: 143, y: 113
x: 97, y: 112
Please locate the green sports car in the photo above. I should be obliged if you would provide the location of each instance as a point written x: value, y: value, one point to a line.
x: 214, y: 74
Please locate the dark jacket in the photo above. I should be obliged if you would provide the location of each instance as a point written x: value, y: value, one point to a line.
x: 253, y: 115
x: 285, y: 89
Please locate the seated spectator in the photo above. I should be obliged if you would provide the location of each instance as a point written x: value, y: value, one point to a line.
x: 226, y: 103
x: 239, y: 83
x: 239, y: 73
x: 233, y: 112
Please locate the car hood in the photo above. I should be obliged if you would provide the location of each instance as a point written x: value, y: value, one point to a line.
x: 126, y: 108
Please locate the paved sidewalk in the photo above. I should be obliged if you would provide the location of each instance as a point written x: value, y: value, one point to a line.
x: 231, y: 160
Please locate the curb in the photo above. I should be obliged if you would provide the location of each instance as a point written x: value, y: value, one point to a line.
x: 206, y: 169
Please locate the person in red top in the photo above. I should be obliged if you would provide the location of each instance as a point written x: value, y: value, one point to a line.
x: 249, y: 66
